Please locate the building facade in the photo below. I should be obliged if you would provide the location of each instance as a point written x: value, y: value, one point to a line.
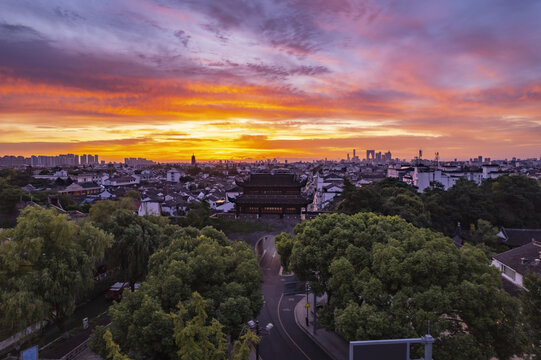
x: 278, y: 194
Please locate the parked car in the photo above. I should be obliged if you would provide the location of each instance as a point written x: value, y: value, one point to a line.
x: 116, y: 290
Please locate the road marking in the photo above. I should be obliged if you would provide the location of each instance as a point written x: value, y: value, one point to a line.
x: 285, y: 331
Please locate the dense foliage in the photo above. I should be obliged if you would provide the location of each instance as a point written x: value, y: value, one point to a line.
x: 509, y: 201
x: 197, y: 337
x: 385, y: 278
x: 531, y: 303
x: 46, y: 265
x: 224, y: 273
x: 135, y: 237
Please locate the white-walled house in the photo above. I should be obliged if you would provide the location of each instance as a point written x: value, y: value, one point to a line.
x: 174, y: 175
x: 122, y: 181
x: 514, y: 264
x: 150, y: 208
x: 422, y: 176
x: 90, y: 177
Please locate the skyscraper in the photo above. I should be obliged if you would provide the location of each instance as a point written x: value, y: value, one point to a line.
x: 370, y: 154
x: 193, y: 159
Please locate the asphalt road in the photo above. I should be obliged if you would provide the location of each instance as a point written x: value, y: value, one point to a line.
x: 286, y: 340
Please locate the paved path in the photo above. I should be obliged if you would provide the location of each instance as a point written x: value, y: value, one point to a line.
x: 334, y: 345
x: 88, y: 355
x: 286, y: 340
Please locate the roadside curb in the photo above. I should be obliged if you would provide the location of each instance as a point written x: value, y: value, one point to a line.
x: 299, y: 317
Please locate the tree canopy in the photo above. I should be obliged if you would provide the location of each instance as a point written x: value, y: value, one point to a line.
x: 385, y: 278
x: 46, y: 264
x: 531, y: 302
x: 509, y: 201
x: 135, y: 237
x: 225, y: 274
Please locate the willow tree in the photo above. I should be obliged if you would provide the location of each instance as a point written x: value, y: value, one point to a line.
x: 46, y: 265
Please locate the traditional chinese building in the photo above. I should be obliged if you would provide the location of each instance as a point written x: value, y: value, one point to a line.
x: 271, y: 194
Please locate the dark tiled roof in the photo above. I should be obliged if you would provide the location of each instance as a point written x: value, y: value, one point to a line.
x: 271, y: 200
x: 519, y: 237
x: 123, y: 179
x: 271, y: 180
x: 514, y: 258
x: 89, y: 185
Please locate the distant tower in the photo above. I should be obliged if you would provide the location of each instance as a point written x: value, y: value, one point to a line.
x: 354, y: 154
x: 193, y: 159
x: 348, y: 156
x: 437, y: 158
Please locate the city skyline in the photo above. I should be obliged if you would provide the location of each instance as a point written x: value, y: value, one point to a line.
x: 300, y: 80
x: 371, y: 155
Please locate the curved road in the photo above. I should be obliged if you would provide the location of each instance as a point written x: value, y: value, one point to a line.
x: 286, y: 340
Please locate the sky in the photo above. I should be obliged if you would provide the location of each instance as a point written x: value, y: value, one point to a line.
x: 292, y: 79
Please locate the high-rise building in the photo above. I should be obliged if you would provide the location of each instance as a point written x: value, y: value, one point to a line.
x: 96, y: 161
x: 83, y: 159
x: 370, y: 154
x: 193, y: 159
x: 354, y: 153
x: 90, y: 159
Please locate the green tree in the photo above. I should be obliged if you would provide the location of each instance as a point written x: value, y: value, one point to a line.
x: 243, y: 347
x: 515, y: 201
x: 284, y: 245
x: 194, y: 334
x: 141, y: 326
x: 197, y: 338
x: 133, y: 194
x: 226, y: 274
x: 484, y: 235
x: 10, y: 196
x: 408, y: 206
x: 354, y: 200
x: 386, y: 278
x: 199, y: 214
x: 135, y: 238
x: 531, y: 307
x: 112, y: 348
x: 96, y: 342
x: 46, y: 264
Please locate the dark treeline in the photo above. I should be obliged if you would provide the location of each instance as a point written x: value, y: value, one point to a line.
x: 508, y: 201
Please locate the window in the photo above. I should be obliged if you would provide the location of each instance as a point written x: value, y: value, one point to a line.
x: 510, y: 273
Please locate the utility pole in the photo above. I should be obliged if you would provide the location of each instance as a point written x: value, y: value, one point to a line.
x: 315, y: 313
x: 307, y: 306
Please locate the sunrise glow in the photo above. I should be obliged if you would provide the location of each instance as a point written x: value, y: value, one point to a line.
x: 233, y: 79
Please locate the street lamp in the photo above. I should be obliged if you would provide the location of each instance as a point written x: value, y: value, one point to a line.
x: 254, y: 325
